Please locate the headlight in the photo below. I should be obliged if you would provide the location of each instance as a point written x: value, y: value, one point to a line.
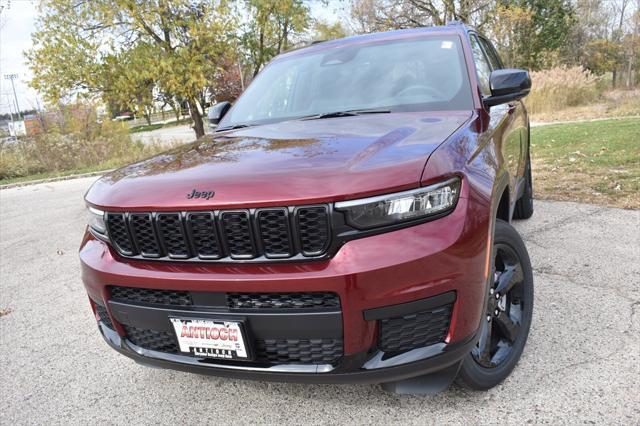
x: 96, y: 221
x: 404, y: 206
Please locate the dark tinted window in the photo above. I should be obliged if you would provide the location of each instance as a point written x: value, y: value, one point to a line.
x: 491, y: 54
x: 482, y: 66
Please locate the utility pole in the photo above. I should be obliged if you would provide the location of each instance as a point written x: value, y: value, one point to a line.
x: 12, y: 126
x: 14, y: 77
x: 10, y: 109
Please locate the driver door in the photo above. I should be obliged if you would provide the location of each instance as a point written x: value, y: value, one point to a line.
x: 507, y: 119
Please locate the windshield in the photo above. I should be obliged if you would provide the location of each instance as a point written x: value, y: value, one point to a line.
x: 426, y: 74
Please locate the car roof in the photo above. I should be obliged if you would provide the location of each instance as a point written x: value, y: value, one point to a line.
x: 317, y: 46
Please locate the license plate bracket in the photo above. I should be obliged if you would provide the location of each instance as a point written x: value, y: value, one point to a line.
x: 212, y: 338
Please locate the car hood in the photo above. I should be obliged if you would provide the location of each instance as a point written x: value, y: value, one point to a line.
x: 286, y: 163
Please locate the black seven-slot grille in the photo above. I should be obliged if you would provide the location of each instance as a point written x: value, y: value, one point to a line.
x: 269, y: 233
x: 415, y: 330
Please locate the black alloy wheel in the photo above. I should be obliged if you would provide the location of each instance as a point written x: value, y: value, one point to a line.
x: 505, y: 326
x: 504, y: 309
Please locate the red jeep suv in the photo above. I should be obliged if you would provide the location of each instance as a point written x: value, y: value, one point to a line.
x: 347, y: 222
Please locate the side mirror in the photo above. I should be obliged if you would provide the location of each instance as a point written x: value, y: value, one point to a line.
x: 217, y: 111
x: 508, y: 85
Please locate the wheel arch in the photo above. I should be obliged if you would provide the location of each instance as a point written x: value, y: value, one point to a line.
x: 503, y: 210
x: 501, y: 203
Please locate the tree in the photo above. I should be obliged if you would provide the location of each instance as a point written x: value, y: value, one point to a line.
x: 226, y: 80
x: 323, y: 30
x: 129, y: 79
x: 603, y: 37
x: 171, y: 45
x: 271, y: 28
x: 591, y: 23
x: 382, y: 15
x: 510, y: 32
x: 618, y: 34
x: 603, y: 56
x: 365, y: 16
x: 632, y: 46
x: 530, y: 33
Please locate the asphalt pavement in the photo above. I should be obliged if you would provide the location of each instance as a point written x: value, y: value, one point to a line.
x: 167, y: 135
x: 581, y: 364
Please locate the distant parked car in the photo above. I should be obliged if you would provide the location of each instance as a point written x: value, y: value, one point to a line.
x: 125, y: 116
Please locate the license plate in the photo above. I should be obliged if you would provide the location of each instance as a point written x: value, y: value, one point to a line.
x: 210, y: 338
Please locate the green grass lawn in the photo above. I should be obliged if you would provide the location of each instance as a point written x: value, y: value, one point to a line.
x: 595, y: 162
x: 150, y: 127
x: 107, y: 165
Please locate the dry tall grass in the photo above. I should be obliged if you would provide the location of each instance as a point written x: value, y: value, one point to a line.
x: 563, y: 87
x: 76, y: 141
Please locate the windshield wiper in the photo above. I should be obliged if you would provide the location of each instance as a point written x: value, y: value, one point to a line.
x: 347, y: 113
x: 235, y: 126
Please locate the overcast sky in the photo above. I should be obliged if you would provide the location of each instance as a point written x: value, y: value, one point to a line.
x: 17, y: 22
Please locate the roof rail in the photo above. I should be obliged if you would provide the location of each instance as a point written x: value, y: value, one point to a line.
x: 455, y: 23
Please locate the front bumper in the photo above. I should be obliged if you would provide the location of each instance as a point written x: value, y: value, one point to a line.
x: 433, y: 360
x: 371, y: 276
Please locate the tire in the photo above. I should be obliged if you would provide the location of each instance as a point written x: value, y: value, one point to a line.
x: 524, y: 206
x: 486, y: 366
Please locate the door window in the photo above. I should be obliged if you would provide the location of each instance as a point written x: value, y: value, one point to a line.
x: 482, y: 66
x: 494, y: 60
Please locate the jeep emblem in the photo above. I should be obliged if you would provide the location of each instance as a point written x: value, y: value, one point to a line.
x: 201, y: 194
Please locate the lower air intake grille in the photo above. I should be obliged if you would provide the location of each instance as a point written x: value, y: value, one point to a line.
x: 282, y: 300
x: 144, y: 295
x: 310, y: 301
x: 270, y: 351
x: 104, y: 316
x: 160, y: 341
x: 299, y: 351
x: 415, y: 330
